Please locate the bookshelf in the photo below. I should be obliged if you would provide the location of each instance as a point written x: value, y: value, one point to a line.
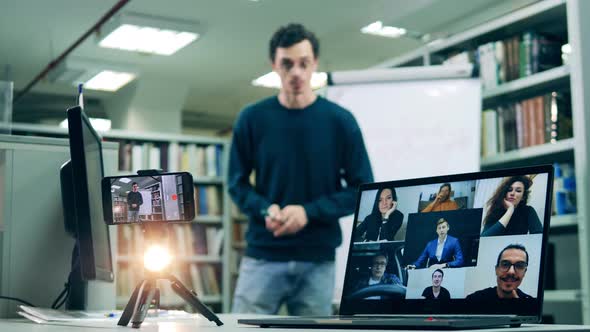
x: 201, y: 249
x: 570, y: 301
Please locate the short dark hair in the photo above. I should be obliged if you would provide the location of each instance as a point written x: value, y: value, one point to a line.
x: 291, y: 34
x: 380, y: 254
x: 445, y: 185
x: 438, y: 270
x: 442, y: 220
x: 513, y: 246
x: 133, y: 183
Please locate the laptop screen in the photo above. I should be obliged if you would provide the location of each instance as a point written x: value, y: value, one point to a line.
x: 461, y: 244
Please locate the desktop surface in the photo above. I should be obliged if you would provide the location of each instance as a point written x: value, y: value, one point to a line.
x: 230, y: 324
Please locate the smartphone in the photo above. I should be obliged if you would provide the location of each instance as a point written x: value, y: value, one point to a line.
x: 132, y: 199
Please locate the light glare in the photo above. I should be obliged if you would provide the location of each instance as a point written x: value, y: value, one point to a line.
x: 156, y: 258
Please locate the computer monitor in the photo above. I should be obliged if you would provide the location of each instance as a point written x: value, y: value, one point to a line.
x: 83, y: 213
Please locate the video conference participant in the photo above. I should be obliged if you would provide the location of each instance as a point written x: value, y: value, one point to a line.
x: 436, y: 291
x: 443, y: 201
x: 511, y: 268
x: 296, y: 142
x: 134, y: 201
x: 508, y: 212
x: 384, y: 221
x: 378, y: 276
x: 442, y: 252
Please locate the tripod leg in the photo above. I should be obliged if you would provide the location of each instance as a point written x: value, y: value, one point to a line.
x: 193, y: 300
x: 143, y: 303
x: 130, y: 306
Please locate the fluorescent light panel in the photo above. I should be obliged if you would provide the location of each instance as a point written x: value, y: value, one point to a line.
x: 272, y: 80
x: 95, y: 74
x: 108, y: 80
x: 148, y: 34
x: 378, y: 29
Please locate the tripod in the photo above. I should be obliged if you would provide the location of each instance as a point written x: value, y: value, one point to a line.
x: 139, y: 303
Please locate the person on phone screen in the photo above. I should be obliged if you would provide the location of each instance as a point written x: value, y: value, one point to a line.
x: 134, y: 201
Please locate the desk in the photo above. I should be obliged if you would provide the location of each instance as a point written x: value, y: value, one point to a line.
x: 230, y: 324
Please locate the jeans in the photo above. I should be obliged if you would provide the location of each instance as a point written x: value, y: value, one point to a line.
x: 305, y: 287
x: 132, y: 215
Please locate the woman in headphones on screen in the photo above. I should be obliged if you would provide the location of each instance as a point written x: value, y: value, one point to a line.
x: 384, y: 221
x: 508, y: 212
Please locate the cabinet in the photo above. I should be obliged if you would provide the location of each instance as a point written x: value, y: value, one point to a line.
x: 567, y: 297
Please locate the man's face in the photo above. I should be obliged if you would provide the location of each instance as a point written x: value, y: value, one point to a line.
x: 442, y: 229
x: 295, y: 65
x: 444, y: 193
x: 135, y: 187
x: 379, y: 265
x: 515, y: 193
x: 385, y: 200
x: 509, y: 279
x: 437, y: 279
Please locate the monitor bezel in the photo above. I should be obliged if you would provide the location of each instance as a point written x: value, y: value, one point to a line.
x: 90, y: 271
x: 524, y: 307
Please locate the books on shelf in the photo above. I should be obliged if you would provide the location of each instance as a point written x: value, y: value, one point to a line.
x: 199, y: 160
x: 208, y: 200
x: 512, y: 58
x: 533, y: 121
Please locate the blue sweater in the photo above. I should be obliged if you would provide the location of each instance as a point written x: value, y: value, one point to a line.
x: 299, y: 156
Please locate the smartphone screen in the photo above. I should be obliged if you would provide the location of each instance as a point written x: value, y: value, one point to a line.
x: 164, y: 197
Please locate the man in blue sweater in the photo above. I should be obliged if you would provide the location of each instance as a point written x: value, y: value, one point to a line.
x: 301, y: 148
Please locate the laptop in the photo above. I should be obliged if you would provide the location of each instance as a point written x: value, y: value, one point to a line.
x: 457, y: 251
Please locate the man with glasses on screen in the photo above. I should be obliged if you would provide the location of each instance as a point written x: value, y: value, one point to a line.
x: 511, y: 268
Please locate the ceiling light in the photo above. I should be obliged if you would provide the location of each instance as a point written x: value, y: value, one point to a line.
x: 97, y: 124
x: 378, y: 29
x: 114, y: 186
x: 272, y: 80
x: 147, y: 34
x: 95, y: 74
x: 108, y: 80
x: 125, y: 180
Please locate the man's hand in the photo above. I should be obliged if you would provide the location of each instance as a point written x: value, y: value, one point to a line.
x: 133, y: 205
x: 390, y: 211
x: 274, y: 219
x: 295, y: 218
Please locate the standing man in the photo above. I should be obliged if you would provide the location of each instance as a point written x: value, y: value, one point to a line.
x: 134, y: 201
x: 301, y: 147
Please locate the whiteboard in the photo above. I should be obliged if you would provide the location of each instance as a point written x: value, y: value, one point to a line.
x: 415, y: 121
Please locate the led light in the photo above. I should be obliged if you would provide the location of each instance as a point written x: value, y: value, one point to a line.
x: 378, y: 29
x: 156, y: 258
x: 272, y: 80
x: 125, y: 180
x: 114, y: 186
x: 147, y: 34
